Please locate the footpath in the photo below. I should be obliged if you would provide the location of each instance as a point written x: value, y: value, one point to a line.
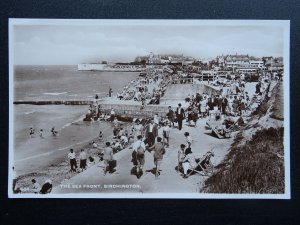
x: 93, y: 179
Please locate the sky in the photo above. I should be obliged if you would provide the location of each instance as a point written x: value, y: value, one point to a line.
x: 73, y: 44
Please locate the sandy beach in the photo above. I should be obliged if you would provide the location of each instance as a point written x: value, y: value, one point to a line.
x: 169, y: 181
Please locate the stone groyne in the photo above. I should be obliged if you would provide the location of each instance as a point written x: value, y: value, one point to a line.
x: 126, y: 110
x: 54, y: 102
x: 173, y: 92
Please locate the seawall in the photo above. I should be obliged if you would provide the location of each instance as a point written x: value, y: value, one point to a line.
x: 181, y: 91
x: 136, y: 111
x: 174, y: 92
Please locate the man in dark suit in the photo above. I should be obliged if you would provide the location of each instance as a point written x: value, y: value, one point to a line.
x: 180, y: 116
x: 151, y: 131
x: 224, y: 104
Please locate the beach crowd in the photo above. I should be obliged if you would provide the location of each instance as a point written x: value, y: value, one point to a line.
x: 230, y: 106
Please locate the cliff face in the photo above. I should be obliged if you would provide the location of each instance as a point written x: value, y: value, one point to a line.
x: 255, y: 162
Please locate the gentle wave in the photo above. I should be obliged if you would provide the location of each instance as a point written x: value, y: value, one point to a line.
x: 54, y: 93
x: 79, y: 119
x: 27, y: 113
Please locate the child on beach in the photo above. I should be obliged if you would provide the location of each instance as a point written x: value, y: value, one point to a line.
x: 54, y: 132
x: 166, y: 134
x: 100, y: 136
x: 41, y: 133
x: 159, y: 151
x: 31, y: 132
x: 189, y: 139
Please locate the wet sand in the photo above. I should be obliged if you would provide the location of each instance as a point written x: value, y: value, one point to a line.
x: 56, y: 82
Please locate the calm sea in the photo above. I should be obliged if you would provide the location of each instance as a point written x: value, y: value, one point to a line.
x: 55, y: 83
x: 65, y: 82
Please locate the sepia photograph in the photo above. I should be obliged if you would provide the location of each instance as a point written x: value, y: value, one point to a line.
x: 184, y: 109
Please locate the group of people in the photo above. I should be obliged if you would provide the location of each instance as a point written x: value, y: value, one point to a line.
x: 151, y: 141
x: 82, y: 160
x: 239, y: 104
x: 146, y: 89
x: 148, y: 139
x: 53, y: 131
x: 46, y: 188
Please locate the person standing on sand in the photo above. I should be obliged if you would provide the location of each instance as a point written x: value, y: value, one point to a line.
x: 82, y: 157
x: 15, y: 179
x: 107, y: 156
x: 180, y: 116
x: 72, y: 158
x: 181, y: 156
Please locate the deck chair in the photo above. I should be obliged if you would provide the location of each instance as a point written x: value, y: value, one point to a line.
x: 216, y: 132
x: 204, y: 165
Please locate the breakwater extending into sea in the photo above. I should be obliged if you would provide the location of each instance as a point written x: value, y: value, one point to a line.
x: 174, y: 94
x: 136, y: 111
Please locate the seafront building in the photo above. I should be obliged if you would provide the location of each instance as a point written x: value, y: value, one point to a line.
x: 219, y: 67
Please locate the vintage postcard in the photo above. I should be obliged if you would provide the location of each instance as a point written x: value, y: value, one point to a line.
x: 149, y: 109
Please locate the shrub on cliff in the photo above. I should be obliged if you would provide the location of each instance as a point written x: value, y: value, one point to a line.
x: 255, y: 167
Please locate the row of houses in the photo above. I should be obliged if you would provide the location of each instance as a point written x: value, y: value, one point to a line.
x: 237, y: 62
x: 246, y: 63
x: 234, y: 63
x: 165, y: 59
